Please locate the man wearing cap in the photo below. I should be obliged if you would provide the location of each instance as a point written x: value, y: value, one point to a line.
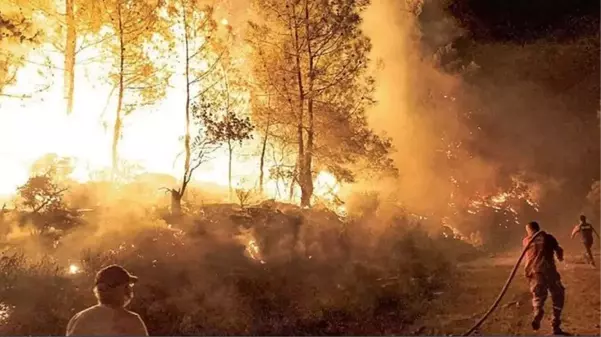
x: 114, y: 291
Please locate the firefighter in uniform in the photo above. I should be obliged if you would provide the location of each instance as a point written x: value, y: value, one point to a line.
x: 586, y: 233
x: 543, y: 276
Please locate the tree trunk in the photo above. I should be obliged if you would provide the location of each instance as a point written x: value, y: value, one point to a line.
x: 301, y: 105
x: 277, y: 188
x: 264, y: 146
x: 262, y: 160
x: 70, y: 45
x: 262, y: 163
x: 117, y: 127
x: 176, y: 204
x: 306, y: 187
x: 306, y: 173
x: 230, y: 150
x: 229, y: 135
x: 177, y: 195
x: 187, y: 149
x: 293, y: 181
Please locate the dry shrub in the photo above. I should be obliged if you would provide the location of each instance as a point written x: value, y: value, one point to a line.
x: 198, y: 285
x: 38, y: 296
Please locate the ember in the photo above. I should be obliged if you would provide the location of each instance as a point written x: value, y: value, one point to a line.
x: 74, y: 269
x: 4, y: 312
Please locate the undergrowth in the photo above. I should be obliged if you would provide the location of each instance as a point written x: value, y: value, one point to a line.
x: 197, y: 285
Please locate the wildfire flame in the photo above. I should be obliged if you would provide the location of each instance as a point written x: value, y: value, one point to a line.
x: 252, y: 249
x: 151, y: 135
x: 499, y: 198
x: 503, y: 201
x: 74, y: 269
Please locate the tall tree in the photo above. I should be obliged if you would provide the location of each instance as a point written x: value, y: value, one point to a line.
x: 317, y: 69
x: 233, y: 127
x: 81, y: 21
x: 70, y: 46
x: 137, y: 77
x: 262, y: 111
x: 204, y: 46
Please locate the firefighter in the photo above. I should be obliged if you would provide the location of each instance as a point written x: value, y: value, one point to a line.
x: 114, y: 291
x: 586, y: 233
x: 543, y: 276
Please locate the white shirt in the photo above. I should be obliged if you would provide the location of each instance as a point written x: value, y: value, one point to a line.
x: 102, y: 320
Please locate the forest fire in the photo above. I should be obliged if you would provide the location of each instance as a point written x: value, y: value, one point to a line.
x: 506, y: 200
x: 99, y: 108
x: 261, y: 166
x: 473, y: 218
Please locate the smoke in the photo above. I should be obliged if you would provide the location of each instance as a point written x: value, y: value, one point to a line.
x: 468, y: 118
x: 109, y: 215
x: 416, y: 105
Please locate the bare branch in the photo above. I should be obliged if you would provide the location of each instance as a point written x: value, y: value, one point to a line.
x: 49, y: 199
x: 95, y: 43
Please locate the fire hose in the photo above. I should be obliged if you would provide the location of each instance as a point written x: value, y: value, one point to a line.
x: 505, y: 287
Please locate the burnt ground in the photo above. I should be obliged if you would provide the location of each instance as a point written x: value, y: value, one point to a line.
x: 481, y: 283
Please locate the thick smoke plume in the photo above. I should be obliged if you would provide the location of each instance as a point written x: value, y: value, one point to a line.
x: 417, y: 107
x: 466, y: 124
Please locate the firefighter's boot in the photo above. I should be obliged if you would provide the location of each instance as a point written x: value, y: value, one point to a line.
x: 538, y: 316
x: 556, y: 323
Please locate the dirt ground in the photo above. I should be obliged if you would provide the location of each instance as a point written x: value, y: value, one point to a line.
x: 481, y: 282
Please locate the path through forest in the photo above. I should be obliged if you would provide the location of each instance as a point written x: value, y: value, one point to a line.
x: 480, y: 283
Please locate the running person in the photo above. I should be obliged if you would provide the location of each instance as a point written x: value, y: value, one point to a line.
x: 586, y: 234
